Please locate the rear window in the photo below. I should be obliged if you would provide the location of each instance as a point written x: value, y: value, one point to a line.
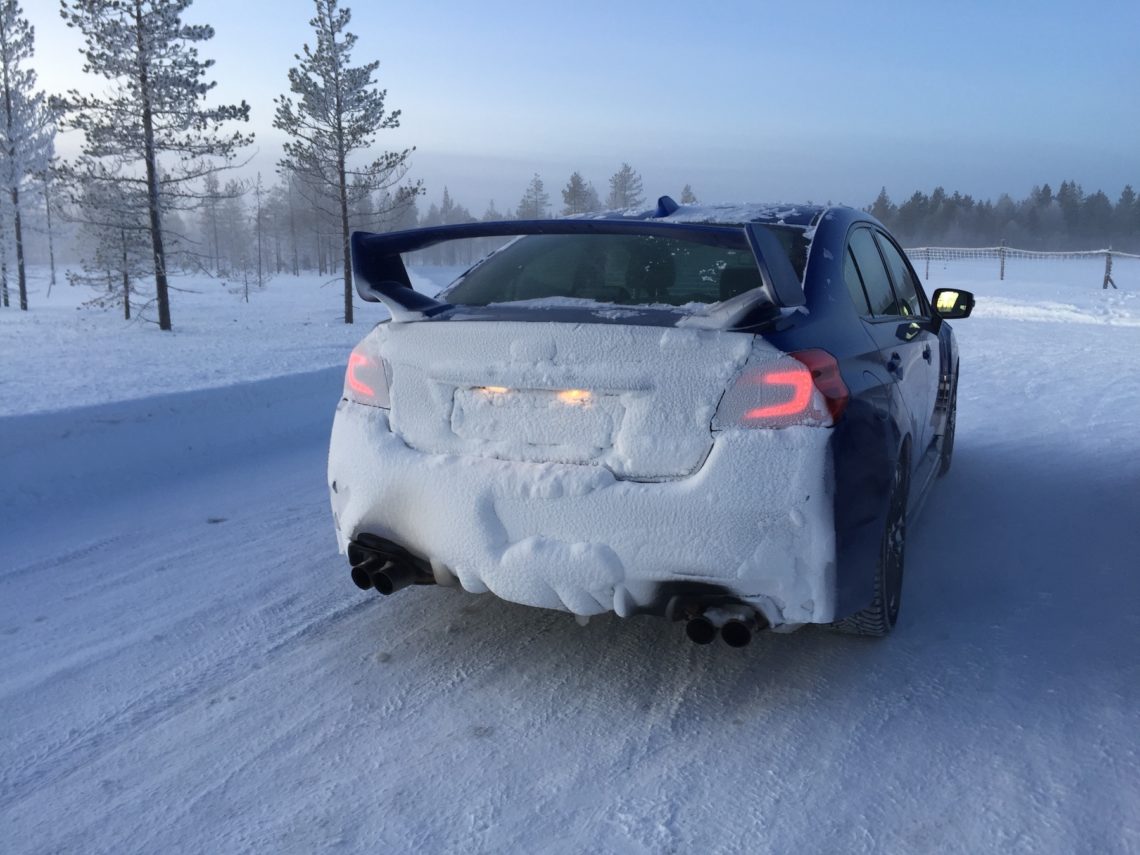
x: 620, y: 269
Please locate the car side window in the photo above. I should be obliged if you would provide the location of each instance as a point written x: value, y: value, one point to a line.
x: 873, y: 273
x: 855, y: 284
x: 905, y: 286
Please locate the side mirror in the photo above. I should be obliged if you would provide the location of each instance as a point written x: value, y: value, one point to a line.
x: 950, y: 303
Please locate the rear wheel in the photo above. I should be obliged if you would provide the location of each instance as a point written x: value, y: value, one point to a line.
x: 879, y: 618
x: 948, y: 434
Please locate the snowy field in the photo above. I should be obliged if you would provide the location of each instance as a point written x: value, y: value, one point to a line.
x: 186, y: 667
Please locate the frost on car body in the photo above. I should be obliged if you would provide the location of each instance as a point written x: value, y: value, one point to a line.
x: 586, y: 502
x: 722, y: 414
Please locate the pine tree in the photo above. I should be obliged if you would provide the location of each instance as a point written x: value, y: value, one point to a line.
x: 1096, y: 217
x: 259, y: 226
x: 337, y: 112
x: 26, y: 127
x: 211, y: 227
x: 883, y: 209
x: 47, y: 182
x: 114, y: 232
x: 1070, y: 196
x: 154, y: 109
x: 688, y: 197
x: 535, y: 201
x: 625, y: 189
x: 578, y: 197
x: 1126, y: 220
x: 402, y: 213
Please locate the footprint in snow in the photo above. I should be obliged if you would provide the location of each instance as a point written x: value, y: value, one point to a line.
x: 215, y: 520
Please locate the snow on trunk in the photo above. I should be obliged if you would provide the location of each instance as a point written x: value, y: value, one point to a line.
x: 638, y: 400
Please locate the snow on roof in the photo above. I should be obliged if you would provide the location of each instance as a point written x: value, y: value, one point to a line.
x: 728, y: 213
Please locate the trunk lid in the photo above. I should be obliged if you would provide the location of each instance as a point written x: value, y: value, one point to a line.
x: 638, y: 400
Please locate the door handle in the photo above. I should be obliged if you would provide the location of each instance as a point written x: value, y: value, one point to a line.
x: 926, y: 354
x: 894, y: 365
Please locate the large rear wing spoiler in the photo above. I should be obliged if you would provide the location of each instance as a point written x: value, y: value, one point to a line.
x: 381, y: 276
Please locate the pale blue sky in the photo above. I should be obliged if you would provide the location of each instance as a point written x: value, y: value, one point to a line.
x: 744, y: 100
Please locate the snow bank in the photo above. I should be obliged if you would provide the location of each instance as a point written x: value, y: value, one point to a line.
x: 58, y: 355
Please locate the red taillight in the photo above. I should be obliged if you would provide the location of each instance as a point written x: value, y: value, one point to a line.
x: 799, y: 384
x: 825, y: 375
x: 357, y: 362
x: 365, y: 380
x: 802, y: 388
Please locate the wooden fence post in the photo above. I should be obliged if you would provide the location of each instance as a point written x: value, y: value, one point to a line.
x: 1108, y: 271
x: 1001, y: 255
x: 928, y: 265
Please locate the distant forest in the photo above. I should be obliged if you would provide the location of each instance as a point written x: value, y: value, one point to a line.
x: 1047, y: 220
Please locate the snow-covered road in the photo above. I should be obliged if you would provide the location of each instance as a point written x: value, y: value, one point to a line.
x: 185, y: 666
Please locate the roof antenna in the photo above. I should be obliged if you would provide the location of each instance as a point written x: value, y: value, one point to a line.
x: 665, y: 207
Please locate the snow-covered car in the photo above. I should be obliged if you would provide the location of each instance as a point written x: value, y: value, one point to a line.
x: 722, y: 415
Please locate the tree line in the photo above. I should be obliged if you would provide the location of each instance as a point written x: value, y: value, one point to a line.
x: 154, y: 188
x: 1064, y: 219
x: 146, y: 194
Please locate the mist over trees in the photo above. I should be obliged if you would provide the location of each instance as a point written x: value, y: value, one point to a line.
x: 157, y: 188
x: 26, y: 133
x: 578, y: 197
x: 150, y: 130
x: 625, y: 189
x: 1063, y: 220
x: 335, y: 112
x: 535, y: 202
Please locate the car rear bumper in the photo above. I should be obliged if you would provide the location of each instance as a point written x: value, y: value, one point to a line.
x: 755, y: 521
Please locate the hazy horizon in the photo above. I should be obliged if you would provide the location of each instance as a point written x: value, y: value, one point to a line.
x: 780, y: 103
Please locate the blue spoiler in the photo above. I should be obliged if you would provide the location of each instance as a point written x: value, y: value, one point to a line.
x: 381, y: 276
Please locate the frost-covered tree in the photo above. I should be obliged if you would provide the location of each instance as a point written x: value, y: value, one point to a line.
x: 688, y: 197
x: 334, y: 113
x: 47, y: 187
x: 210, y: 214
x: 26, y: 127
x: 401, y: 211
x: 114, y: 235
x: 625, y: 189
x: 151, y: 128
x: 578, y: 197
x: 535, y: 201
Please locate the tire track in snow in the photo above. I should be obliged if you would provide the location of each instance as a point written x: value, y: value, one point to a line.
x: 28, y: 774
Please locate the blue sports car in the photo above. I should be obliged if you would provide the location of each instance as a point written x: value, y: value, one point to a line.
x: 724, y: 415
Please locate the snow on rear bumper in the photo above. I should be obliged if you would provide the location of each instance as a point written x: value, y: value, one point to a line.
x: 755, y: 519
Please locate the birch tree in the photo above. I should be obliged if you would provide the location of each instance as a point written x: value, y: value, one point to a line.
x: 333, y: 113
x: 152, y: 128
x: 26, y: 129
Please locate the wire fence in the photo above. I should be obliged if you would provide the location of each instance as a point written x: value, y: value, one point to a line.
x: 923, y: 255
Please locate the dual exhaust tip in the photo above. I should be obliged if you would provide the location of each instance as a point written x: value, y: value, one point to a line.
x: 736, y: 628
x: 383, y: 574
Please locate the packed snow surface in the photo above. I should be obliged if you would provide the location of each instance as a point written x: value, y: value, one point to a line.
x: 185, y: 666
